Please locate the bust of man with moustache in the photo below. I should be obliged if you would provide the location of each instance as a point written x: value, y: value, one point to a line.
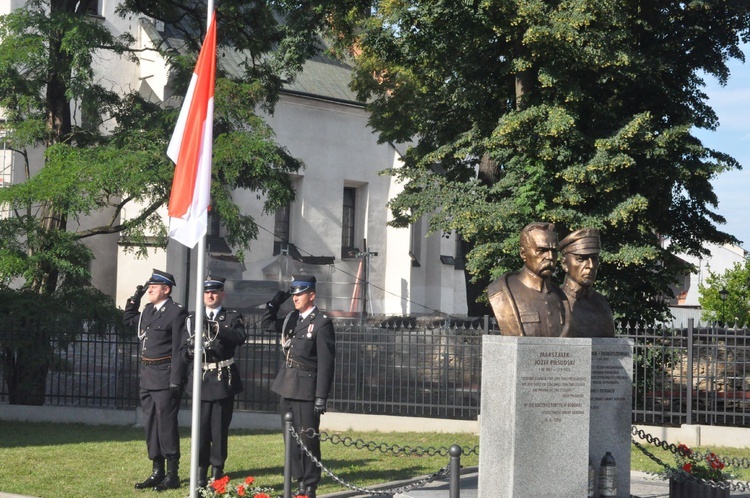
x: 526, y: 302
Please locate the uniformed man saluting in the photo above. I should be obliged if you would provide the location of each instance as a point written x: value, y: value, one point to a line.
x: 223, y: 332
x: 161, y: 330
x: 305, y: 377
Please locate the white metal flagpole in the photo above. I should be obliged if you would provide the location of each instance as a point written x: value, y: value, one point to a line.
x: 197, y: 369
x: 195, y: 438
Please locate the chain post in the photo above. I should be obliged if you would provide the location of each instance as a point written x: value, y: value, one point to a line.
x: 689, y: 372
x: 455, y: 471
x: 288, y: 441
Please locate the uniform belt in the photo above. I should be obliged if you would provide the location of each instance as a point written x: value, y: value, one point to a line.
x: 290, y: 363
x: 216, y: 366
x: 156, y: 361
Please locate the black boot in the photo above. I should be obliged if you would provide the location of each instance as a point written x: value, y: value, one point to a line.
x: 171, y: 480
x: 202, y: 477
x: 155, y: 478
x: 217, y: 472
x: 300, y: 488
x: 310, y: 491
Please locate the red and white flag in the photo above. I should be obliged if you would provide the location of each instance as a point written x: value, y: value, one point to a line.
x: 191, y: 150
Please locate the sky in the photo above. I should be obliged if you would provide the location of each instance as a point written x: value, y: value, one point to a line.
x: 732, y: 105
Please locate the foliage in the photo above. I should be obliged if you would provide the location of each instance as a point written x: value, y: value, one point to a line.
x: 94, y: 156
x: 735, y: 309
x: 578, y: 113
x: 34, y: 327
x: 689, y: 465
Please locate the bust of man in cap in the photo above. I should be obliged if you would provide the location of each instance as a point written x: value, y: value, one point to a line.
x: 590, y: 314
x: 527, y: 302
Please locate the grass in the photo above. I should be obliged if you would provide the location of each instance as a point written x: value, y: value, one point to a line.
x: 81, y: 461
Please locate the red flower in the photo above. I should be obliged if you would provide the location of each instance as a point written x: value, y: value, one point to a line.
x: 688, y: 467
x: 714, y: 461
x: 684, y: 450
x: 241, y: 490
x: 249, y: 480
x: 220, y: 485
x: 261, y: 495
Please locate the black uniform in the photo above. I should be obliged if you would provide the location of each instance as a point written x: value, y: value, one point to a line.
x: 220, y: 382
x: 306, y: 374
x: 161, y: 333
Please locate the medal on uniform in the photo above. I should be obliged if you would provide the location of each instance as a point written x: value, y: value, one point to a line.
x: 309, y: 331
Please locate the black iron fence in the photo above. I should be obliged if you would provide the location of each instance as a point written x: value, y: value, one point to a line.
x: 695, y: 375
x: 432, y: 368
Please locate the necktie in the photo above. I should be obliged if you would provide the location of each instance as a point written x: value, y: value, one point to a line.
x: 154, y: 310
x: 211, y: 315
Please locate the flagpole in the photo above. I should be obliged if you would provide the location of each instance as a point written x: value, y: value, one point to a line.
x: 195, y: 437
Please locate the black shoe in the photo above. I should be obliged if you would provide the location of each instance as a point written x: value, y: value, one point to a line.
x: 310, y: 491
x: 217, y: 472
x: 151, y: 481
x: 171, y: 481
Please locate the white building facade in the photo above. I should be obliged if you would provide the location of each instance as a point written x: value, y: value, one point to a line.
x: 336, y: 229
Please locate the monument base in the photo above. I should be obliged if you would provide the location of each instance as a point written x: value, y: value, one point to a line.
x: 537, y: 427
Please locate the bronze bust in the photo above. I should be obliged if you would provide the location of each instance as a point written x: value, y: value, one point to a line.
x: 590, y: 314
x: 526, y: 302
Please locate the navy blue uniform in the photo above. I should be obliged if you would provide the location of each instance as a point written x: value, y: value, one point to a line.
x: 306, y: 374
x: 161, y: 334
x: 220, y: 382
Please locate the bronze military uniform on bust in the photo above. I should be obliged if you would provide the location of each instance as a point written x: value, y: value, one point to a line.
x: 526, y: 302
x: 590, y: 314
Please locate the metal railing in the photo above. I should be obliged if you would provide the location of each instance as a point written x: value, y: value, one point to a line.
x: 695, y: 375
x: 426, y: 368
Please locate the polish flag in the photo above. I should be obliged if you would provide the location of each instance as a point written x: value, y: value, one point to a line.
x: 191, y: 150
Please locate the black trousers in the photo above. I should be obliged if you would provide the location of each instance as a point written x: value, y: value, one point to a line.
x: 160, y: 409
x: 303, y: 413
x: 216, y: 415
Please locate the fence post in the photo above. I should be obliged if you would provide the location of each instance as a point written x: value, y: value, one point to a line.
x: 689, y: 419
x: 486, y: 324
x: 288, y: 441
x: 455, y: 471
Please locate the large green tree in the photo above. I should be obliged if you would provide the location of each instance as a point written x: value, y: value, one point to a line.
x: 577, y: 112
x: 53, y: 100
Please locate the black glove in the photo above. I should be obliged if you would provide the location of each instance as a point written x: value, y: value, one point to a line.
x: 139, y: 292
x: 278, y: 299
x: 190, y: 346
x: 175, y: 390
x: 320, y: 406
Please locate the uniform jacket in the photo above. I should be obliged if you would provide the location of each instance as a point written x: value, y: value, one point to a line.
x: 218, y: 382
x: 307, y: 368
x: 590, y: 314
x: 161, y: 334
x: 525, y: 304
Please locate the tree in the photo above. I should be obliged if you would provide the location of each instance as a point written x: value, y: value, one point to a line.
x: 734, y: 308
x: 53, y: 100
x: 578, y: 113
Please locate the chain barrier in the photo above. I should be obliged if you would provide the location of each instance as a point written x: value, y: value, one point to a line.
x: 442, y: 473
x: 361, y: 444
x: 677, y: 450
